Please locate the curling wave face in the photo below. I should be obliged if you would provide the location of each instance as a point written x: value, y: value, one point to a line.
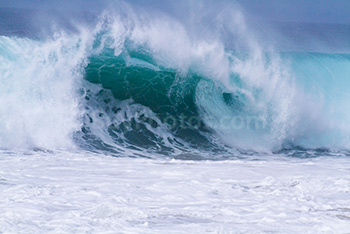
x: 142, y: 86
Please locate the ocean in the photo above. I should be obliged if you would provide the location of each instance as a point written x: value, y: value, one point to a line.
x: 132, y: 119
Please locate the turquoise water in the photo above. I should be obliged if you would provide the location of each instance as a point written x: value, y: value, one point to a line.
x: 240, y: 110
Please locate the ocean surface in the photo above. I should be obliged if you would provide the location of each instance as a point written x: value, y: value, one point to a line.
x: 133, y: 120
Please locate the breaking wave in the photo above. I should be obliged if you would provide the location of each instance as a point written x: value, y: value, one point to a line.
x: 136, y: 85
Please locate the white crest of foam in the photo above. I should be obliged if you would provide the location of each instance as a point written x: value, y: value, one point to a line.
x: 38, y: 98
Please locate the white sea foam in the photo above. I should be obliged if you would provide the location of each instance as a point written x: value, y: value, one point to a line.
x: 69, y: 192
x: 38, y: 98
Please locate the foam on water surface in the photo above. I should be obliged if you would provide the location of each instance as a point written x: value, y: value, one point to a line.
x: 73, y: 192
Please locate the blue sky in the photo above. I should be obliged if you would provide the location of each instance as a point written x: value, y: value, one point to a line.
x: 332, y: 11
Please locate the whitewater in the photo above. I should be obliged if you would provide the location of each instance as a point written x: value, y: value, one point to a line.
x: 187, y: 118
